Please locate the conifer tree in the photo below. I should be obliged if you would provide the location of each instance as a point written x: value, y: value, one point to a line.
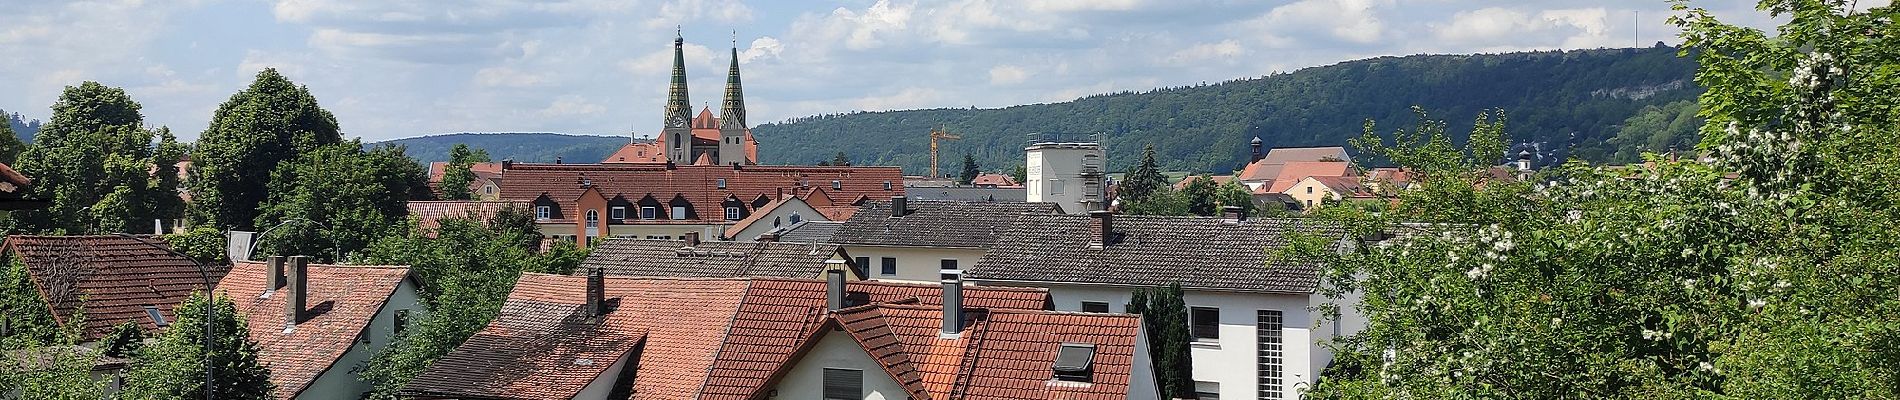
x: 1144, y: 180
x: 970, y: 170
x: 1164, y: 316
x: 173, y: 367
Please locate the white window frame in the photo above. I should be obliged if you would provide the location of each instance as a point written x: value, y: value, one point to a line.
x: 617, y: 212
x: 732, y: 213
x: 542, y: 213
x: 679, y: 212
x: 649, y: 212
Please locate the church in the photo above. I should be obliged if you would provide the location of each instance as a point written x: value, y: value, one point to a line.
x: 701, y: 139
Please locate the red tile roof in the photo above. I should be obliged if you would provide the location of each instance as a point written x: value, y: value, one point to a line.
x: 12, y: 182
x: 698, y: 184
x: 1002, y: 354
x: 636, y: 153
x: 778, y: 312
x: 1268, y: 167
x: 429, y: 214
x: 116, y: 276
x: 993, y: 180
x: 1292, y: 172
x: 343, y: 300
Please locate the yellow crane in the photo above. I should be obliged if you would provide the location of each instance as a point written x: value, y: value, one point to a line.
x: 936, y: 134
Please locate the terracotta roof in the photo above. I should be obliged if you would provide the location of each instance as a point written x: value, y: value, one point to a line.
x: 343, y: 300
x: 682, y: 321
x: 1268, y: 167
x: 429, y: 214
x: 993, y: 180
x: 935, y: 223
x: 1199, y: 252
x: 1345, y: 186
x: 1003, y: 354
x: 12, y: 182
x: 778, y: 313
x: 1291, y: 173
x: 710, y: 259
x: 116, y: 276
x: 1218, y: 180
x: 637, y: 152
x: 810, y: 232
x: 697, y: 184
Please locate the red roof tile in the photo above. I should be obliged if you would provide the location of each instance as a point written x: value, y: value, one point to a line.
x: 429, y: 214
x: 1292, y: 172
x: 116, y: 276
x: 636, y: 153
x: 343, y: 300
x: 698, y: 184
x: 993, y: 180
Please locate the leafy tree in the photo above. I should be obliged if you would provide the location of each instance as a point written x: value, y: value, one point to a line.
x: 970, y: 170
x: 1164, y: 317
x: 1144, y: 180
x: 1164, y: 202
x: 1234, y: 194
x: 270, y: 123
x: 93, y: 160
x: 457, y: 177
x: 24, y: 315
x: 166, y: 201
x: 173, y: 366
x: 1657, y: 129
x: 126, y: 338
x: 202, y: 242
x: 10, y: 144
x: 841, y: 160
x: 62, y: 371
x: 1201, y: 194
x: 341, y: 199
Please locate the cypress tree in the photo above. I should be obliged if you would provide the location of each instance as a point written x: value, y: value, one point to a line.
x: 1144, y: 180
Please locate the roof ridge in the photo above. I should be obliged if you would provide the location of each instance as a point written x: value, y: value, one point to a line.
x: 725, y: 338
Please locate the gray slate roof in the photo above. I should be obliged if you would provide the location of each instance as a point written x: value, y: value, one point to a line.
x: 1200, y: 253
x: 968, y: 194
x: 712, y: 259
x: 809, y: 231
x: 935, y: 223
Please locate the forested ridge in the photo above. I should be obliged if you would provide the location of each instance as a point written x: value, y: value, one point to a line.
x: 1572, y: 102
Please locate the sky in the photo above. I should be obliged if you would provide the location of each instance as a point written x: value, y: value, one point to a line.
x: 401, y: 68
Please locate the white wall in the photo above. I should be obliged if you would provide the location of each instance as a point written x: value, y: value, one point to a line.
x: 603, y: 385
x: 1141, y: 377
x: 1232, y: 361
x: 783, y: 213
x: 837, y: 350
x: 1054, y: 174
x: 340, y: 381
x: 914, y: 264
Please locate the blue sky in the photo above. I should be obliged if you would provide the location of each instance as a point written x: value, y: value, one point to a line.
x: 400, y: 68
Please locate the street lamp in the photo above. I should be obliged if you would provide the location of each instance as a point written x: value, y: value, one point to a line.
x: 203, y: 273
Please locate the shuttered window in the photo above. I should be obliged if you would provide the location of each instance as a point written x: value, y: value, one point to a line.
x: 844, y: 384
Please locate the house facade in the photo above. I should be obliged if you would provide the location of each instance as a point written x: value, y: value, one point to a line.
x: 1073, y: 175
x: 1253, y: 334
x: 912, y: 240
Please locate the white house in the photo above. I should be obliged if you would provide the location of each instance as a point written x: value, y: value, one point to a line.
x: 314, y: 324
x: 1254, y: 336
x: 1068, y: 174
x: 911, y: 240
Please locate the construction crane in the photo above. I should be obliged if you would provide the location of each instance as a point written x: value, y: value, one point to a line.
x: 936, y: 134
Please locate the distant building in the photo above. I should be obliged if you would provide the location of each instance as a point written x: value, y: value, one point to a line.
x: 785, y: 212
x: 1267, y: 166
x: 485, y: 186
x: 994, y: 181
x: 1069, y: 174
x: 429, y: 214
x: 1313, y: 191
x: 1007, y: 195
x: 912, y: 240
x: 691, y: 258
x: 702, y: 139
x: 808, y: 232
x: 314, y: 324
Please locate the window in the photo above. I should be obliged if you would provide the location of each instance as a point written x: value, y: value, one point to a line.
x: 542, y: 212
x: 488, y: 189
x: 948, y: 265
x: 1094, y: 306
x: 617, y: 213
x: 1204, y: 323
x: 887, y: 185
x: 889, y: 266
x: 1309, y: 190
x: 863, y: 263
x: 1207, y: 390
x: 732, y: 213
x: 836, y: 185
x: 722, y: 183
x: 648, y: 212
x: 1055, y: 186
x: 402, y: 320
x: 844, y: 384
x: 1075, y: 362
x: 593, y: 218
x: 157, y: 317
x: 679, y: 212
x: 1269, y: 362
x: 1309, y: 203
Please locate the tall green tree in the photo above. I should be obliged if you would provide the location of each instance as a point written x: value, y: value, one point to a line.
x: 457, y: 177
x: 338, y: 199
x: 24, y: 315
x: 1164, y: 316
x: 93, y: 160
x: 270, y: 123
x: 1234, y: 194
x: 1202, y: 195
x: 10, y: 144
x: 970, y: 170
x: 173, y: 366
x: 1144, y: 180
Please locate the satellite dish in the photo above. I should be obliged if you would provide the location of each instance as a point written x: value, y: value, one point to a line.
x: 238, y: 245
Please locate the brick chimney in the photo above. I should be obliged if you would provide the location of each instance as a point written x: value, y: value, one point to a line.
x: 1101, y: 228
x: 596, y: 294
x: 834, y: 289
x: 899, y: 206
x: 768, y: 237
x: 952, y: 303
x: 507, y: 163
x: 1232, y: 215
x: 691, y: 238
x: 276, y: 266
x: 298, y: 300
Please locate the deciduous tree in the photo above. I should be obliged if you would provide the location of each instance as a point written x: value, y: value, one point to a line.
x: 341, y: 199
x: 457, y: 177
x: 173, y: 366
x: 270, y: 123
x: 94, y: 162
x: 1202, y: 195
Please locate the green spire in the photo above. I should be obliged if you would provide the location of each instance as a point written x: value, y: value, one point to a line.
x: 678, y: 109
x: 732, y: 112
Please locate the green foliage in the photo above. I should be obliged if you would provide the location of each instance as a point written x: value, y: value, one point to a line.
x: 1657, y: 129
x: 1234, y: 194
x: 21, y: 127
x: 57, y: 372
x: 1201, y: 196
x: 173, y: 366
x: 1020, y: 173
x: 10, y: 144
x: 1165, y: 202
x: 1143, y: 180
x: 970, y: 170
x: 352, y: 196
x: 203, y: 243
x: 1587, y: 93
x: 270, y: 123
x: 125, y: 339
x: 1165, y: 319
x: 1766, y: 274
x: 523, y: 147
x: 467, y: 268
x: 24, y: 315
x: 93, y: 161
x: 457, y: 177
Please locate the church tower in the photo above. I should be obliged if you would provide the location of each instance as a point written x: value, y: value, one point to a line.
x: 732, y: 126
x: 678, y: 134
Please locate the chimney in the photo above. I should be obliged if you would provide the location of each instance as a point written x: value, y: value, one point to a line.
x: 596, y: 294
x: 691, y: 238
x: 952, y: 303
x: 1232, y: 214
x: 557, y: 159
x: 834, y: 289
x: 299, y: 297
x: 1101, y: 228
x: 899, y: 206
x: 768, y: 237
x: 671, y: 166
x: 276, y: 265
x: 507, y: 163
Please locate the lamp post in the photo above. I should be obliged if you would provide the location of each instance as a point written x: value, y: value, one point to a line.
x: 202, y: 273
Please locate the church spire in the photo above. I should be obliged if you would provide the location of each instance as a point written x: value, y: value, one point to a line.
x: 678, y: 109
x: 732, y: 111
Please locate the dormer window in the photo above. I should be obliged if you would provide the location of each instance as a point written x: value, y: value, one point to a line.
x: 542, y: 212
x: 1075, y: 362
x: 648, y: 212
x: 887, y: 185
x: 732, y: 213
x: 679, y: 212
x: 157, y: 317
x: 617, y: 213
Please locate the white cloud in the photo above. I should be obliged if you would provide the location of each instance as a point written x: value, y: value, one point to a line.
x: 572, y: 106
x: 507, y: 77
x: 1007, y: 75
x: 679, y: 12
x: 1225, y: 49
x: 1498, y: 28
x: 1355, y: 21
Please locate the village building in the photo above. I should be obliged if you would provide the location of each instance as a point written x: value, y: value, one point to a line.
x: 485, y: 186
x: 1073, y: 175
x: 1250, y: 314
x: 770, y: 220
x: 701, y: 139
x: 912, y: 240
x: 692, y: 258
x: 113, y: 279
x: 315, y: 324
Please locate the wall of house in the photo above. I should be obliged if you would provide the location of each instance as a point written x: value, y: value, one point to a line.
x: 914, y: 264
x: 1054, y: 174
x: 1141, y: 377
x: 671, y: 231
x: 603, y: 385
x: 837, y: 350
x: 340, y: 381
x: 1319, y: 193
x: 782, y: 214
x: 1231, y: 361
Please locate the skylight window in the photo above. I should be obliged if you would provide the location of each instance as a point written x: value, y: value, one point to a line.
x: 157, y: 317
x: 1075, y: 362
